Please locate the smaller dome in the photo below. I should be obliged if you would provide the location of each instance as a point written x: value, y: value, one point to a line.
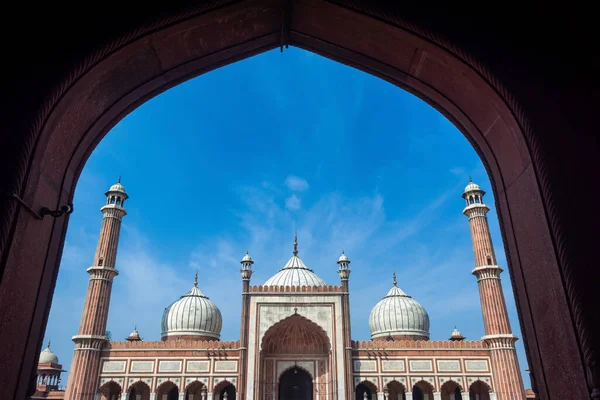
x: 343, y: 257
x: 134, y: 335
x: 456, y: 335
x: 246, y: 257
x: 48, y: 356
x: 117, y: 187
x: 472, y: 186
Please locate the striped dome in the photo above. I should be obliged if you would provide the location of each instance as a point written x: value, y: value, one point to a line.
x: 295, y: 273
x: 193, y: 315
x: 399, y: 315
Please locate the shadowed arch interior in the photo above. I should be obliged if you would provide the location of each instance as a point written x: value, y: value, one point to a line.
x: 366, y: 390
x: 451, y: 390
x: 296, y: 384
x: 295, y: 335
x: 167, y: 391
x: 479, y: 390
x: 140, y: 389
x: 110, y: 391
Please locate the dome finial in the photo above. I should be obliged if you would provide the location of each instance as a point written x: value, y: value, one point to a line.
x: 470, y: 178
x: 295, y: 252
x: 119, y: 181
x: 196, y: 279
x: 48, y: 343
x: 394, y: 275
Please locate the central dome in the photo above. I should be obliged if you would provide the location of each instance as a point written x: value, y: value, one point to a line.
x: 295, y: 273
x: 192, y: 317
x: 399, y: 316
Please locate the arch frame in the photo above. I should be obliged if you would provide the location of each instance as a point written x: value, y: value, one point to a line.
x: 224, y: 383
x: 104, y: 389
x: 454, y: 382
x: 369, y: 383
x: 42, y: 151
x: 282, y: 324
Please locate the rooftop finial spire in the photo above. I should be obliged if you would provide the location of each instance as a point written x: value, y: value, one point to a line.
x: 394, y: 275
x: 48, y: 343
x: 295, y: 244
x: 119, y: 181
x: 196, y: 279
x: 470, y: 178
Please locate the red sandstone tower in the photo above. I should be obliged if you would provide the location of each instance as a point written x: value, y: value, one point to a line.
x: 344, y: 273
x: 83, y: 379
x: 246, y: 272
x: 498, y: 335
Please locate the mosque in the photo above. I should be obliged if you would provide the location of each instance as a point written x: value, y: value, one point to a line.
x: 295, y: 338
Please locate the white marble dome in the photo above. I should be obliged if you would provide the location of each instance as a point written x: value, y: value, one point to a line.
x: 472, y: 186
x: 117, y: 187
x: 399, y: 315
x: 48, y: 356
x: 295, y: 273
x: 192, y: 315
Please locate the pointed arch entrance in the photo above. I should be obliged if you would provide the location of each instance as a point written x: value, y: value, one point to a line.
x: 295, y: 384
x: 295, y: 360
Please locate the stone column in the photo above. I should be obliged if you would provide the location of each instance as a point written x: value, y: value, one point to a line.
x: 437, y: 396
x: 409, y: 396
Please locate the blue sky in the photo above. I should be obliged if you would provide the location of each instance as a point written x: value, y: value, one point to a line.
x: 243, y: 156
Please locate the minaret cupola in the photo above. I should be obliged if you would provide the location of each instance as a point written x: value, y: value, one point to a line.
x: 344, y: 266
x: 246, y: 269
x: 116, y: 195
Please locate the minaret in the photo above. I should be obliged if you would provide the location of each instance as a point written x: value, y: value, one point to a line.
x: 83, y: 378
x: 344, y: 273
x: 246, y: 272
x: 508, y: 383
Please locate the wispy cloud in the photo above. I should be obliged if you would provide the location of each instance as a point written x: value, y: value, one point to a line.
x: 293, y: 203
x: 296, y: 184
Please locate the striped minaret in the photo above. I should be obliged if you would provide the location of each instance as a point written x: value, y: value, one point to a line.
x: 344, y: 273
x: 246, y: 272
x: 508, y: 384
x: 85, y: 367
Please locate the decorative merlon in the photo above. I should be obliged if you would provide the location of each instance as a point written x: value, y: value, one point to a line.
x: 176, y: 344
x: 418, y: 344
x: 295, y: 289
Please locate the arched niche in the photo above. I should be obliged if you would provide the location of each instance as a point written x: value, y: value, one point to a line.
x: 365, y: 390
x: 167, y: 391
x: 479, y: 390
x: 224, y: 390
x: 138, y: 391
x: 451, y: 390
x: 395, y: 390
x: 111, y: 390
x: 295, y: 335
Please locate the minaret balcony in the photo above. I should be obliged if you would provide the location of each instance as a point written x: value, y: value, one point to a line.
x: 487, y: 272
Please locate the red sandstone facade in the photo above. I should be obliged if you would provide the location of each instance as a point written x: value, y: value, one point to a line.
x: 297, y: 333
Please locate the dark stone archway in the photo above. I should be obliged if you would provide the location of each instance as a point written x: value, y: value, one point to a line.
x: 530, y: 119
x: 295, y: 384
